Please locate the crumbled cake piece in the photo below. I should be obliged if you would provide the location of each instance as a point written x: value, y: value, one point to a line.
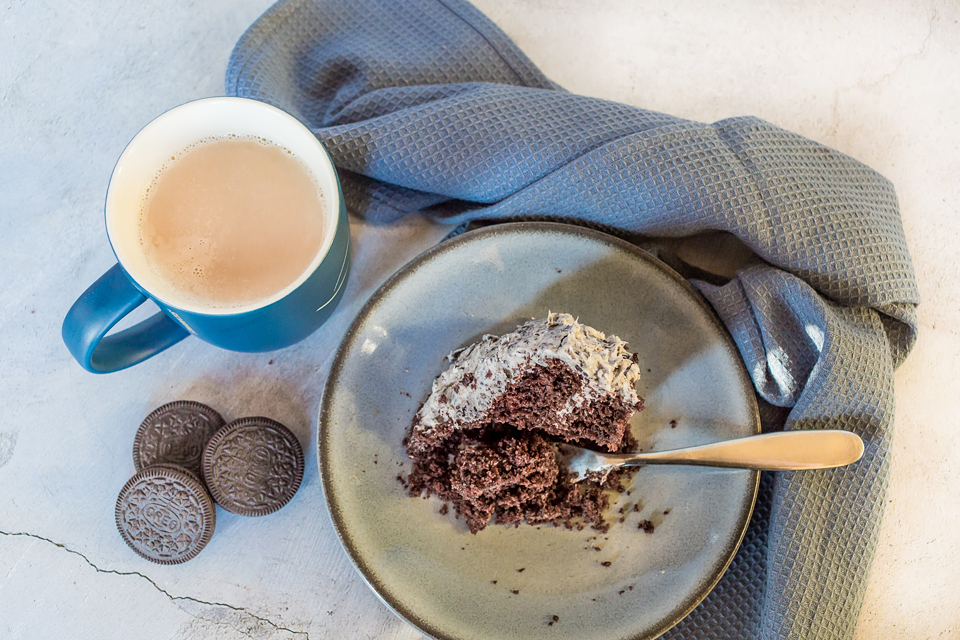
x: 483, y: 440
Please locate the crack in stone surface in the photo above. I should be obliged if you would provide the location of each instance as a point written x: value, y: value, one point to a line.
x: 169, y: 595
x: 919, y: 53
x: 864, y: 85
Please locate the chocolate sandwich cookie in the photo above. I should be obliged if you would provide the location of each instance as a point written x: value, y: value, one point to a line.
x: 165, y: 514
x: 175, y: 433
x: 253, y: 466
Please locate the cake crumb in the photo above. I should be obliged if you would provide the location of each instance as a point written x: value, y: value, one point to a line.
x: 554, y: 618
x: 646, y: 525
x: 606, y: 563
x: 673, y: 424
x: 521, y: 569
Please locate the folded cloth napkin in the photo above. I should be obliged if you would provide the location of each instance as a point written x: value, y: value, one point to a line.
x: 426, y: 106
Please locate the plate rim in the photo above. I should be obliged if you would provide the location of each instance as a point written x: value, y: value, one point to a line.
x: 333, y: 510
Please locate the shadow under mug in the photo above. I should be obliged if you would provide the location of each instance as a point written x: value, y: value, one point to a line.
x: 283, y: 319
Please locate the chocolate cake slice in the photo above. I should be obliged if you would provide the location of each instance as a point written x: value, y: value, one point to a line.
x: 483, y: 440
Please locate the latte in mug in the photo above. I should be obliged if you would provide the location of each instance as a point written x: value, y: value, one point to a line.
x: 226, y: 213
x: 230, y: 221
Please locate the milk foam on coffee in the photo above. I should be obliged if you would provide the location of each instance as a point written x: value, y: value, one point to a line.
x: 231, y: 221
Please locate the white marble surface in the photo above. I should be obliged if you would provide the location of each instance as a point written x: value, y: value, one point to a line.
x: 877, y: 80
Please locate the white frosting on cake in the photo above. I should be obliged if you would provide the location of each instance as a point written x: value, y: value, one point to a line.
x: 604, y: 363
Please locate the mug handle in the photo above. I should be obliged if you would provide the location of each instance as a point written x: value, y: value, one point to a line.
x: 100, y: 307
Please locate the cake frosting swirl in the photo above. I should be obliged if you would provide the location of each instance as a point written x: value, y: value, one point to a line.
x: 605, y: 363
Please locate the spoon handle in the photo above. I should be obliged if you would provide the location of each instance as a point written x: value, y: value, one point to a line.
x: 786, y: 450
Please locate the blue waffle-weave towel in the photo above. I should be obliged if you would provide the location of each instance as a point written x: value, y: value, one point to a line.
x: 426, y: 106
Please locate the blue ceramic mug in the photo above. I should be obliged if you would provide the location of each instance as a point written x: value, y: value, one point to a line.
x: 275, y: 321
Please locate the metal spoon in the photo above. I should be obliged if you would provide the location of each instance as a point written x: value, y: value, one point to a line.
x: 786, y: 450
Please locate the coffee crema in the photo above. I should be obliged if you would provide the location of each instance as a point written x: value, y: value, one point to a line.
x: 231, y: 221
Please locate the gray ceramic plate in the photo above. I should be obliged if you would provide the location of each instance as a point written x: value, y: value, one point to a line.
x: 505, y: 582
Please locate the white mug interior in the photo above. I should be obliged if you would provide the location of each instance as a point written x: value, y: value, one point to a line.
x: 157, y: 144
